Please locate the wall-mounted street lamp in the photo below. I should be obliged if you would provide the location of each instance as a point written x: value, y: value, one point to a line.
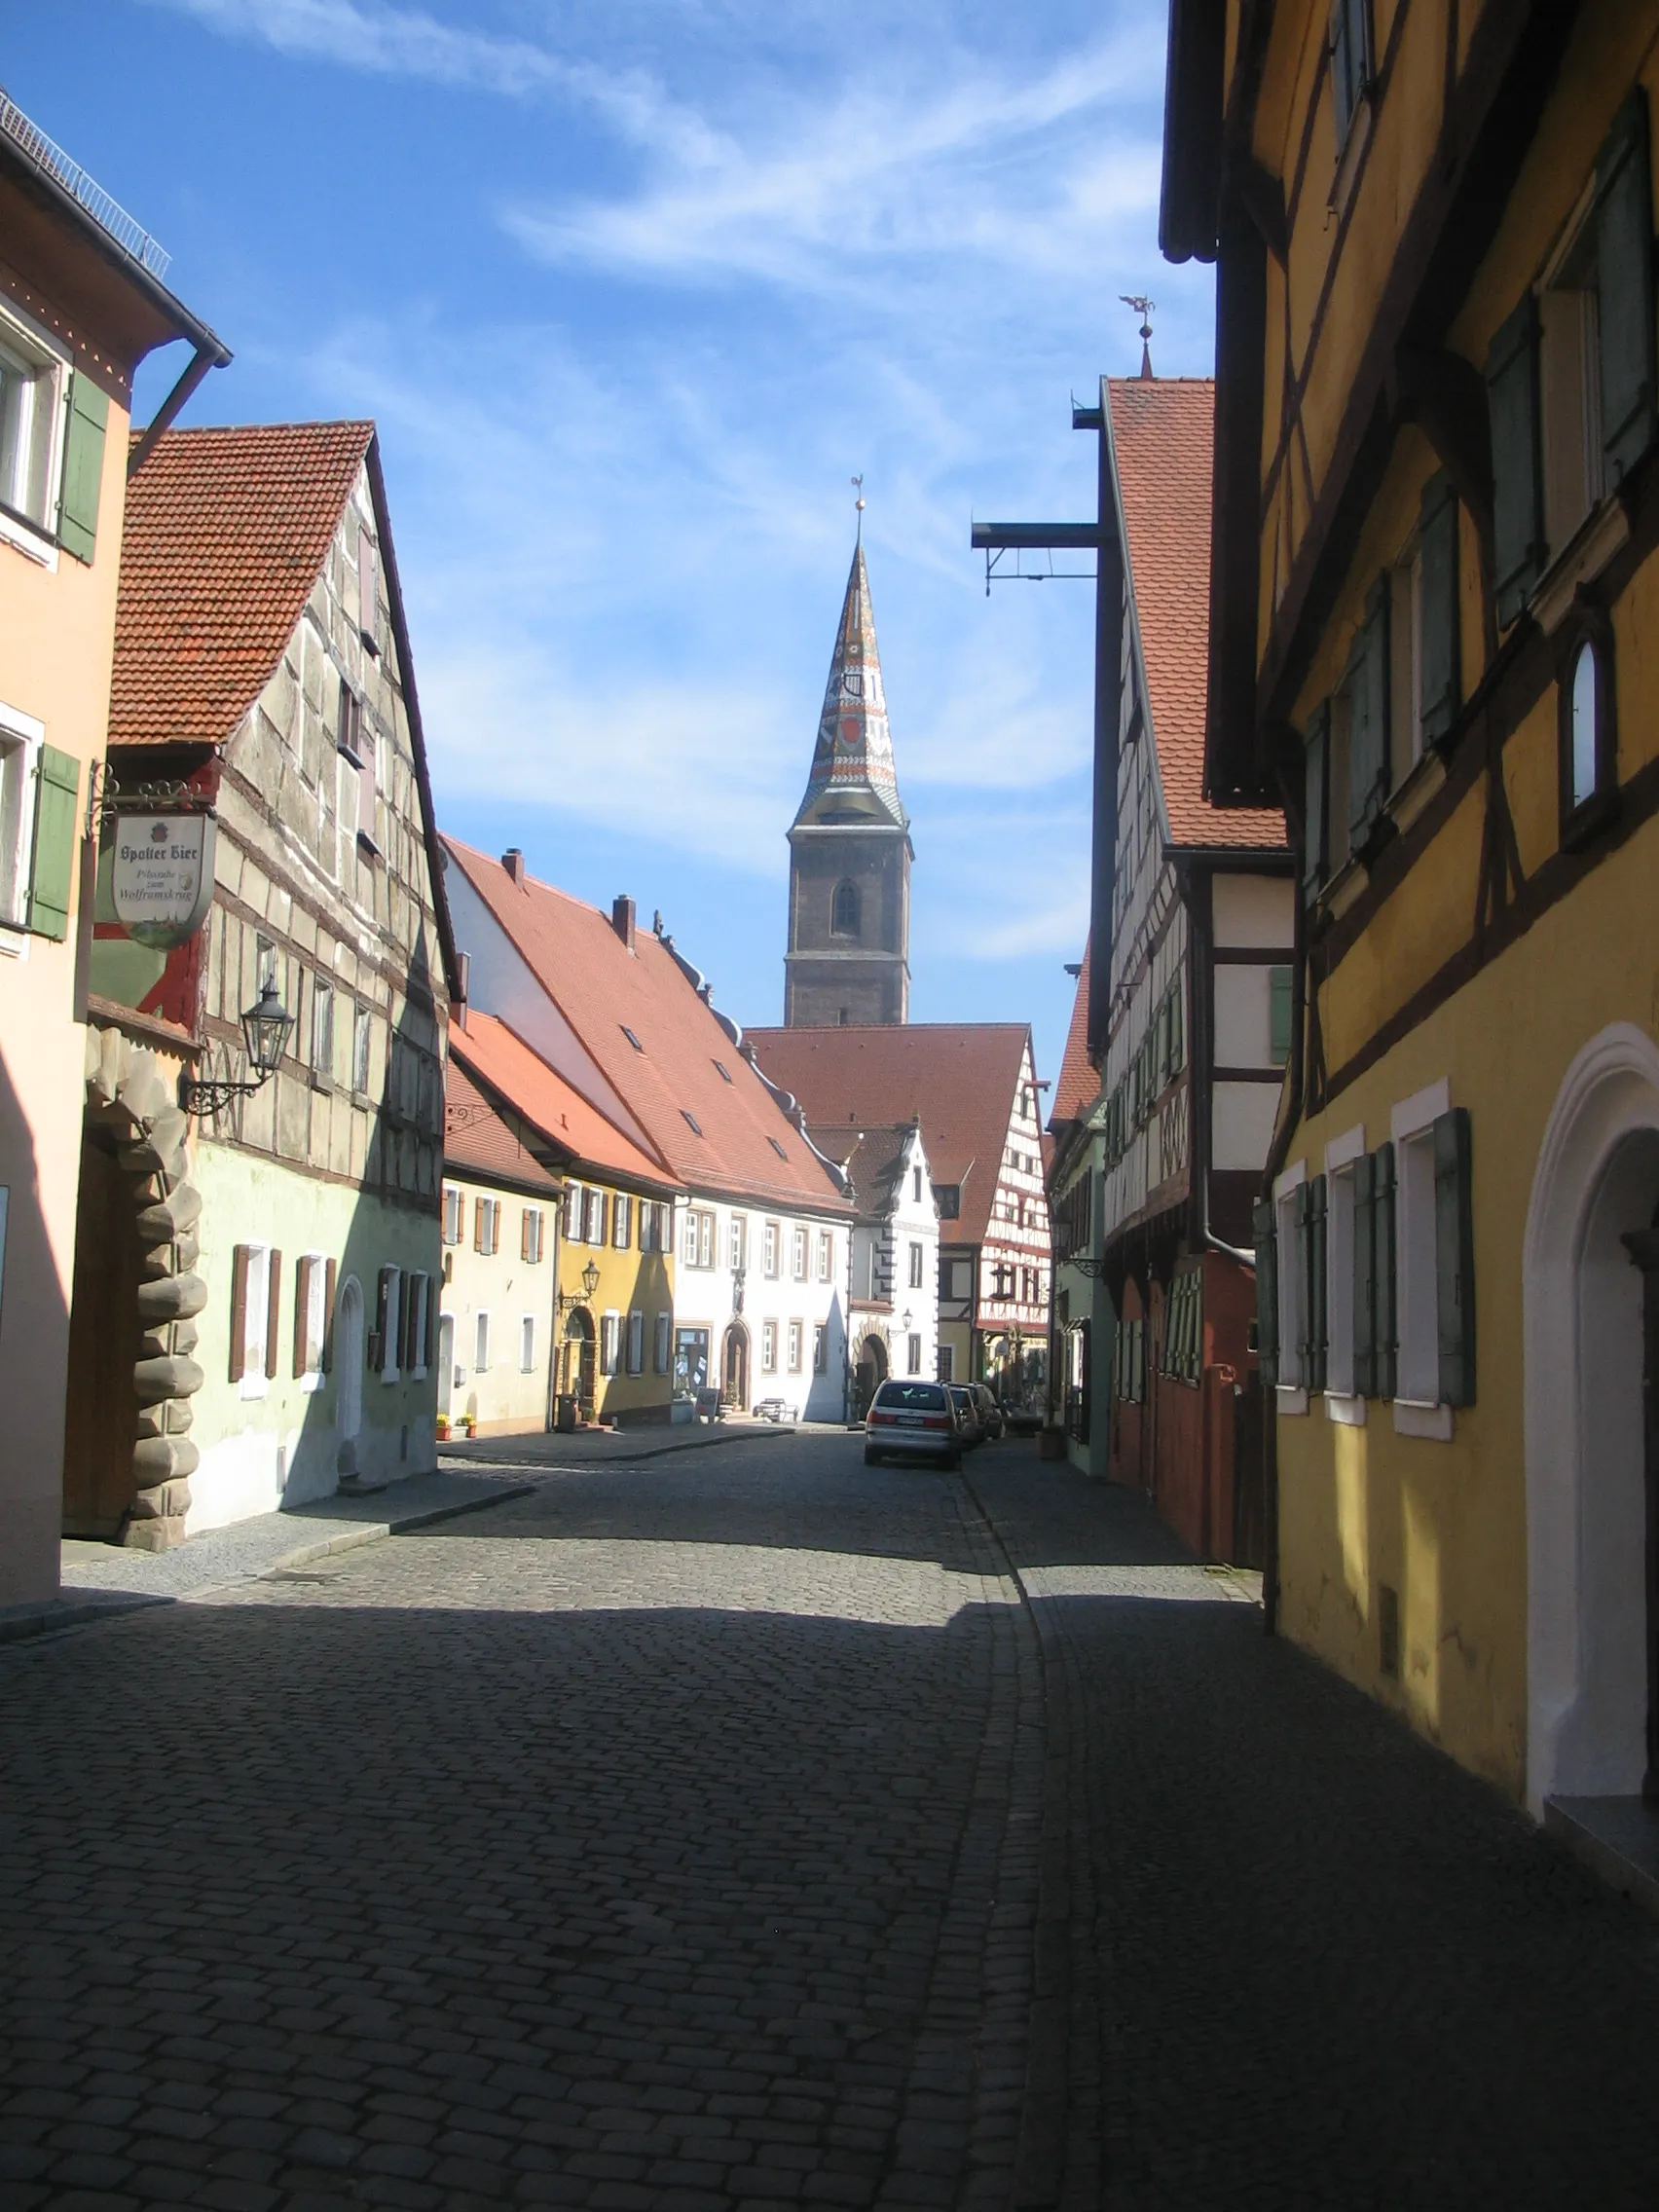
x: 590, y: 1283
x: 266, y: 1027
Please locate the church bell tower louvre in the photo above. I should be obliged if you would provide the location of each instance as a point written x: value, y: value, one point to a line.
x: 849, y: 943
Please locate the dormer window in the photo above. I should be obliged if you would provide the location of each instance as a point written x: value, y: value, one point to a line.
x: 721, y: 1071
x: 844, y: 910
x: 632, y: 1039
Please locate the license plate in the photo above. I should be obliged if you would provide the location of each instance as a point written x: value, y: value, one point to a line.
x: 909, y: 1420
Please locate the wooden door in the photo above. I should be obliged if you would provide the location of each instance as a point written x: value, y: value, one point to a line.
x: 101, y: 1410
x: 1644, y: 1247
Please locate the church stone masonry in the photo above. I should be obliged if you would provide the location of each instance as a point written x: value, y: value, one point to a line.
x: 850, y: 853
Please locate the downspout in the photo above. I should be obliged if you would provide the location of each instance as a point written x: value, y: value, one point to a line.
x: 196, y: 368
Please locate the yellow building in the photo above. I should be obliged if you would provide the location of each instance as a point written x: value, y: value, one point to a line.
x: 573, y: 1311
x: 80, y: 305
x: 1435, y: 628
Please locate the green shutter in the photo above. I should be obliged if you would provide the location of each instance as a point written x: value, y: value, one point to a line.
x: 83, y: 468
x: 1624, y: 284
x: 1267, y: 1292
x: 1454, y: 1257
x: 52, y: 869
x: 1364, y: 1281
x: 1384, y: 1335
x: 1518, y: 477
x: 1439, y: 675
x: 1317, y: 744
x: 1279, y: 1014
x: 1317, y: 1320
x: 1368, y: 725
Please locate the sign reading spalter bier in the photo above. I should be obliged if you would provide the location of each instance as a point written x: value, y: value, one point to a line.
x: 162, y: 877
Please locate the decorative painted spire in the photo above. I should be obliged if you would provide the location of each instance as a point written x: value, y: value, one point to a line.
x: 851, y: 763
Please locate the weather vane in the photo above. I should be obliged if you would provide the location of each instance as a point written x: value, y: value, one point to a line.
x: 1144, y: 307
x: 858, y: 503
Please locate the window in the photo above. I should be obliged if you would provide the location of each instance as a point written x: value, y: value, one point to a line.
x: 455, y: 1206
x: 593, y: 1224
x: 636, y: 1343
x: 573, y: 1213
x: 416, y: 1326
x: 312, y: 1300
x: 916, y: 1186
x: 795, y: 1339
x: 1588, y: 749
x: 826, y: 1255
x: 737, y: 1240
x: 797, y: 1252
x: 531, y: 1235
x: 722, y: 1071
x: 690, y: 1120
x: 256, y: 1286
x: 360, y: 1033
x: 368, y: 595
x: 948, y: 1197
x: 662, y: 1345
x: 22, y: 752
x: 1350, y: 61
x: 820, y: 1348
x: 1434, y: 1264
x: 915, y: 1267
x: 322, y: 1028
x: 777, y: 1148
x: 527, y: 1344
x: 481, y: 1345
x: 622, y: 1221
x: 770, y: 1249
x: 946, y: 1363
x: 609, y: 1342
x: 1340, y: 1186
x: 844, y: 910
x: 768, y: 1348
x: 914, y: 1355
x: 632, y: 1039
x: 51, y: 454
x: 653, y: 1226
x: 699, y: 1238
x: 1292, y: 1291
x: 486, y: 1226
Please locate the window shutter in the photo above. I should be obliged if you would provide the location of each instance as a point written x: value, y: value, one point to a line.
x: 273, y: 1310
x: 1368, y: 740
x: 1364, y: 1280
x: 328, y: 1317
x: 51, y: 871
x: 83, y: 468
x: 1317, y: 1325
x: 1518, y: 479
x: 367, y: 594
x: 431, y: 1353
x: 1267, y: 1293
x: 383, y: 1309
x: 302, y: 1313
x: 1439, y: 675
x: 1279, y: 1011
x: 239, y: 1313
x: 1385, y: 1333
x: 1454, y: 1257
x: 1317, y: 744
x: 1624, y: 280
x: 524, y: 1233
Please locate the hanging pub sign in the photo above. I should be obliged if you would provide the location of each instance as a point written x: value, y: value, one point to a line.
x: 161, y: 875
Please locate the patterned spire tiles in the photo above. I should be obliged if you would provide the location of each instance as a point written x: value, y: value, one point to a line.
x: 851, y: 763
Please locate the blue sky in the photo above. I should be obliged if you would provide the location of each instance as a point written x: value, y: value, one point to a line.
x: 632, y: 287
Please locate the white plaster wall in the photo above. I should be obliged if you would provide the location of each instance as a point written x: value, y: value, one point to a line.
x: 916, y: 1221
x: 506, y: 1287
x: 1254, y: 911
x: 703, y: 1300
x: 1242, y: 1124
x: 1243, y: 1018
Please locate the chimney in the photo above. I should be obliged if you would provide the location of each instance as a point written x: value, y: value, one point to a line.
x: 512, y: 860
x: 622, y: 919
x: 464, y: 977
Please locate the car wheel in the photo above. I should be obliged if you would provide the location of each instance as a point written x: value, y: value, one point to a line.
x: 951, y: 1461
x: 870, y: 1458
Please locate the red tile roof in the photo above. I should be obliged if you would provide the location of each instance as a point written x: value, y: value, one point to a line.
x: 513, y: 1072
x: 478, y: 1141
x: 1163, y: 439
x: 960, y: 1077
x: 742, y: 1143
x: 226, y: 533
x: 1079, y: 1082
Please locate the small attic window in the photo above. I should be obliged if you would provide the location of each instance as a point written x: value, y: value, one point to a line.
x: 777, y: 1148
x: 634, y: 1041
x: 722, y: 1071
x: 690, y: 1120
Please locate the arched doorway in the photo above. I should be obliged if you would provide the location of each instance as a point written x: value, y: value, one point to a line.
x: 1591, y: 1625
x: 349, y: 1372
x: 871, y: 1371
x: 576, y: 1362
x: 734, y: 1367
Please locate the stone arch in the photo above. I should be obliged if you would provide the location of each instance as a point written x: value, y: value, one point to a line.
x: 129, y: 1094
x: 1596, y: 1175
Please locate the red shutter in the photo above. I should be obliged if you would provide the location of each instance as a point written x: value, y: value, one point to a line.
x: 478, y: 1225
x: 525, y: 1252
x: 366, y: 588
x: 302, y: 1314
x: 328, y: 1317
x: 239, y: 1313
x: 273, y: 1311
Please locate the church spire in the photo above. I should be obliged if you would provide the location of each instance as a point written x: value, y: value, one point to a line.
x: 853, y: 777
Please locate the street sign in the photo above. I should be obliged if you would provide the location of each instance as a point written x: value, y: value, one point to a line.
x: 161, y: 875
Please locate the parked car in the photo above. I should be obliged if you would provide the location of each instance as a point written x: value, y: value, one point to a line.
x: 991, y: 1423
x: 1020, y: 1421
x: 912, y: 1420
x: 967, y: 1413
x: 776, y: 1410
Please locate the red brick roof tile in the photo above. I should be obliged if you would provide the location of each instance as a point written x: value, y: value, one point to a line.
x: 478, y: 1141
x: 1162, y: 438
x: 226, y: 533
x: 1078, y: 1083
x: 960, y: 1077
x: 508, y: 1065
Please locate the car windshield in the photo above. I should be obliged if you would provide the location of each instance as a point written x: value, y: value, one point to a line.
x: 911, y: 1397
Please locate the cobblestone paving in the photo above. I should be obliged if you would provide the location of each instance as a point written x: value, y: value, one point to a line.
x: 664, y: 1839
x: 1308, y: 1961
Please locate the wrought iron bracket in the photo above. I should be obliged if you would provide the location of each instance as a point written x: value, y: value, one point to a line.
x: 108, y: 798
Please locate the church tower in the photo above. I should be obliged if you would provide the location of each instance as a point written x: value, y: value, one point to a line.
x: 848, y: 962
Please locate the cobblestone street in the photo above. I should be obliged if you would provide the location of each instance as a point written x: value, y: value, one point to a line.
x: 754, y: 1828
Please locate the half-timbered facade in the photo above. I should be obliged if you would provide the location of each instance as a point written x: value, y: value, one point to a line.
x: 1434, y: 600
